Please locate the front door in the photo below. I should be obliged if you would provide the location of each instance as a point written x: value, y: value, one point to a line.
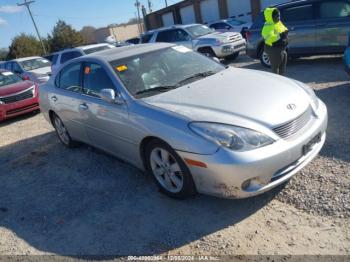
x: 300, y: 23
x: 107, y: 124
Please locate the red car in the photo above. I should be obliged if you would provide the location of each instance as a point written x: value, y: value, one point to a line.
x: 16, y: 95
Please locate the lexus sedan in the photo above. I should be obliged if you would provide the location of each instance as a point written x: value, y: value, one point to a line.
x: 194, y: 124
x: 16, y: 95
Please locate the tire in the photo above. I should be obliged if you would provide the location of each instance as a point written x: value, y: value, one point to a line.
x: 207, y: 52
x: 62, y: 132
x: 232, y: 57
x: 264, y: 59
x: 168, y: 170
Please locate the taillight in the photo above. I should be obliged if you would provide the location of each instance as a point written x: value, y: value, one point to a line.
x: 248, y: 34
x: 25, y: 78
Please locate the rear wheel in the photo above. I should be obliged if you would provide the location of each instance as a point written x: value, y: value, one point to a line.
x: 170, y: 172
x: 264, y: 58
x: 62, y: 132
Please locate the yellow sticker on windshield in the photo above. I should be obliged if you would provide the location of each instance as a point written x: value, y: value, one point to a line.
x: 121, y: 68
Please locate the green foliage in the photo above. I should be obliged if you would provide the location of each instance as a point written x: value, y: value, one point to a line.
x: 24, y: 45
x: 64, y: 36
x: 3, y: 54
x: 88, y: 34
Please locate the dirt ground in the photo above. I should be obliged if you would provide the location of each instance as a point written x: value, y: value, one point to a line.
x: 75, y: 202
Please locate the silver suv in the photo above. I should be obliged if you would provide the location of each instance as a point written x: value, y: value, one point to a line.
x: 316, y: 27
x: 199, y: 38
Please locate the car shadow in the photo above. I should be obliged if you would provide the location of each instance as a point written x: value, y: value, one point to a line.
x: 337, y: 100
x: 25, y: 116
x: 329, y: 68
x: 80, y: 201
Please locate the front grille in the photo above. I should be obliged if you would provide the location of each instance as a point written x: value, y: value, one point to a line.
x: 290, y: 128
x: 235, y: 38
x: 29, y: 93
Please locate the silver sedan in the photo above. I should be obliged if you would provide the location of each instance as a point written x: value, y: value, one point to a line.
x: 194, y: 124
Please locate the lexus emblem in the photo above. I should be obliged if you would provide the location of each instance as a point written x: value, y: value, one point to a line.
x: 291, y: 106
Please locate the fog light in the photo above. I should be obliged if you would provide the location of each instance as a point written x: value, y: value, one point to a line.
x: 246, y: 184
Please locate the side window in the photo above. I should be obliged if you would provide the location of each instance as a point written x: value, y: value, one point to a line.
x: 219, y: 26
x: 297, y: 13
x: 334, y: 9
x: 16, y: 68
x: 95, y: 79
x: 8, y: 66
x: 181, y: 36
x: 146, y: 38
x: 69, y: 56
x: 165, y: 36
x: 69, y: 78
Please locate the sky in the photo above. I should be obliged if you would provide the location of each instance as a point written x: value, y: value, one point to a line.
x: 78, y: 13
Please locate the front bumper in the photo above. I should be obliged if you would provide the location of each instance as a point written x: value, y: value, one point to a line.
x: 266, y: 167
x: 18, y: 108
x: 229, y: 48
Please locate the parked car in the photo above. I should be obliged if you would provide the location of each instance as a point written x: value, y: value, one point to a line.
x: 347, y: 60
x: 230, y: 25
x: 315, y: 28
x: 194, y: 124
x: 34, y: 68
x: 17, y: 96
x: 65, y: 55
x: 134, y: 41
x: 199, y: 38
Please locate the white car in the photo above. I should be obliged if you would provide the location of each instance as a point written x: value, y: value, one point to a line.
x: 61, y: 57
x: 230, y: 25
x: 34, y: 68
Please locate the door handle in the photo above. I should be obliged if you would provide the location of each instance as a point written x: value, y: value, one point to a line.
x: 83, y: 106
x: 54, y: 98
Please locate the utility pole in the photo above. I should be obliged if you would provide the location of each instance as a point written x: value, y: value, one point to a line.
x: 166, y: 3
x: 27, y: 4
x: 137, y: 4
x: 150, y: 6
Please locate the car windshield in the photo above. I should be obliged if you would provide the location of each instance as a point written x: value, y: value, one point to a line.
x: 234, y: 22
x: 8, y: 78
x: 96, y: 49
x: 163, y: 70
x: 199, y: 30
x: 35, y: 63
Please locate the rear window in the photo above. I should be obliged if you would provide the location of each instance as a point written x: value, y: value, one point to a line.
x: 96, y: 49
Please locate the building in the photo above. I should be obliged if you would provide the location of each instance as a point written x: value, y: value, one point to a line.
x: 204, y: 11
x: 119, y: 32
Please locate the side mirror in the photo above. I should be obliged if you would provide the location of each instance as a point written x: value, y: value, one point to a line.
x: 109, y: 96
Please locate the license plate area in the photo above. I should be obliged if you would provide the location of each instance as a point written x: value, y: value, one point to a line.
x: 308, y: 147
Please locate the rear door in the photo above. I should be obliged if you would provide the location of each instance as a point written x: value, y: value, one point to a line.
x: 107, y: 124
x: 301, y: 25
x: 66, y: 100
x: 332, y: 26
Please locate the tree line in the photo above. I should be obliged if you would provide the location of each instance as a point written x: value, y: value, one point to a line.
x: 62, y: 36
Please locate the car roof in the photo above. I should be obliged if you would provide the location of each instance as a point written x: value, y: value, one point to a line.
x: 83, y: 47
x: 26, y: 58
x: 169, y: 27
x: 127, y: 51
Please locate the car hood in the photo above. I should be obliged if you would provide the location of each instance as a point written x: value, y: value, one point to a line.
x: 15, y: 88
x: 236, y: 95
x: 218, y: 35
x: 42, y: 71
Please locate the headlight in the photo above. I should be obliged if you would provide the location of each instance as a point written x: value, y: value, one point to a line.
x: 232, y: 137
x: 311, y: 93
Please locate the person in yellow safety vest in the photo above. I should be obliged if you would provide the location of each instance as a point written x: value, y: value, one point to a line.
x: 275, y: 35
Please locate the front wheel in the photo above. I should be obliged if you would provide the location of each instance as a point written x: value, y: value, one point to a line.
x: 232, y: 57
x: 170, y: 172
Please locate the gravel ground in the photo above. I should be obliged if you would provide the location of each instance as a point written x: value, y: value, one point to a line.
x: 84, y: 202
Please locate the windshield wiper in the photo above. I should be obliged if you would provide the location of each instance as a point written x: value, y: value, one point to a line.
x: 158, y: 89
x: 198, y: 75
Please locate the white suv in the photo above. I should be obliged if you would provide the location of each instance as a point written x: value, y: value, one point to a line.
x: 61, y: 57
